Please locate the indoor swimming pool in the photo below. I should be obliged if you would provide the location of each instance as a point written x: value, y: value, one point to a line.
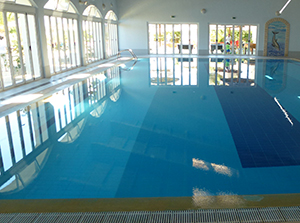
x: 163, y: 131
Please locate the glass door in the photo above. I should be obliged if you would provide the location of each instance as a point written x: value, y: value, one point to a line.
x: 253, y: 40
x: 111, y: 38
x: 245, y: 40
x: 18, y: 49
x: 237, y: 36
x: 62, y: 43
x: 169, y: 39
x: 229, y: 39
x: 232, y: 39
x: 194, y: 38
x: 152, y: 38
x: 173, y: 38
x: 220, y: 41
x: 6, y: 60
x: 160, y: 38
x: 177, y: 38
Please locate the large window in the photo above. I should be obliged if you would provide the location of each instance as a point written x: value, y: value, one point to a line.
x: 92, y: 34
x: 62, y: 35
x: 18, y: 45
x: 111, y: 34
x: 173, y: 38
x: 232, y: 39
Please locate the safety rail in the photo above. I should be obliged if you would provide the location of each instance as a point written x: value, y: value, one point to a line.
x: 127, y: 50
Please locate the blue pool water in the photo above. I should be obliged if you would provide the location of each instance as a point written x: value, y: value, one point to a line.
x: 167, y: 128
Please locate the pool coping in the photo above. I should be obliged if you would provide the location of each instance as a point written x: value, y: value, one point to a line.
x: 149, y: 204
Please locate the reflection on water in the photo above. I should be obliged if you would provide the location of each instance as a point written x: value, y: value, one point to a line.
x: 115, y: 96
x: 173, y: 71
x: 221, y: 169
x: 284, y: 111
x: 98, y: 111
x: 28, y: 135
x: 200, y: 164
x: 275, y: 72
x: 204, y: 199
x: 218, y: 168
x: 72, y: 134
x: 128, y: 66
x: 232, y: 71
x: 23, y: 177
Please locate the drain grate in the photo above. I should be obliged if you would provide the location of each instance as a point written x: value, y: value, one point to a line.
x: 182, y: 216
x: 227, y: 215
x: 290, y: 213
x: 25, y: 218
x: 271, y: 214
x: 160, y: 217
x: 253, y: 215
x: 48, y: 217
x: 137, y: 216
x: 5, y: 218
x: 205, y: 216
x: 115, y: 217
x: 249, y: 215
x: 92, y: 217
x: 69, y: 217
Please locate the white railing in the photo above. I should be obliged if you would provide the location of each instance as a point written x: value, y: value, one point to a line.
x: 127, y: 50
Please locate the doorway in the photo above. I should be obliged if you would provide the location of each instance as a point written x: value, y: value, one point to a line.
x: 172, y: 38
x: 233, y: 39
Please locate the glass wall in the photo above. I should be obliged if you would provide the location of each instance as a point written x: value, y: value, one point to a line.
x: 111, y: 34
x: 232, y: 39
x: 20, y: 52
x: 92, y: 34
x: 19, y: 49
x: 62, y: 36
x: 172, y: 38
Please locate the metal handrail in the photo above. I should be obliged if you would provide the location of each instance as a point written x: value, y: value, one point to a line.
x: 130, y: 51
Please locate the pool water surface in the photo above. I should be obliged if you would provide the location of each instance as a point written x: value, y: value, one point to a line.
x: 164, y: 128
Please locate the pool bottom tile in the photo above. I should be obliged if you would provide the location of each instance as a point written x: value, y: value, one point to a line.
x: 261, y: 126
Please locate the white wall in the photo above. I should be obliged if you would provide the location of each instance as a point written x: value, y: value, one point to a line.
x: 134, y: 14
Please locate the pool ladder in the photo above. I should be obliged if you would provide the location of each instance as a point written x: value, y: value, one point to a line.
x: 134, y: 57
x: 127, y: 50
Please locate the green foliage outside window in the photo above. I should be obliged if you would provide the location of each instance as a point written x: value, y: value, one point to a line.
x: 245, y: 35
x: 161, y: 37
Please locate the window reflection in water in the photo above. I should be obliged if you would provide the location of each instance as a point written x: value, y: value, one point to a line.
x: 232, y: 71
x: 203, y: 198
x: 173, y: 71
x: 28, y: 135
x: 217, y: 168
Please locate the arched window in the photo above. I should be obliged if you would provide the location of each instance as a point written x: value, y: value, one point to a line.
x: 110, y: 15
x: 62, y: 35
x: 18, y: 44
x: 92, y: 34
x: 111, y: 34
